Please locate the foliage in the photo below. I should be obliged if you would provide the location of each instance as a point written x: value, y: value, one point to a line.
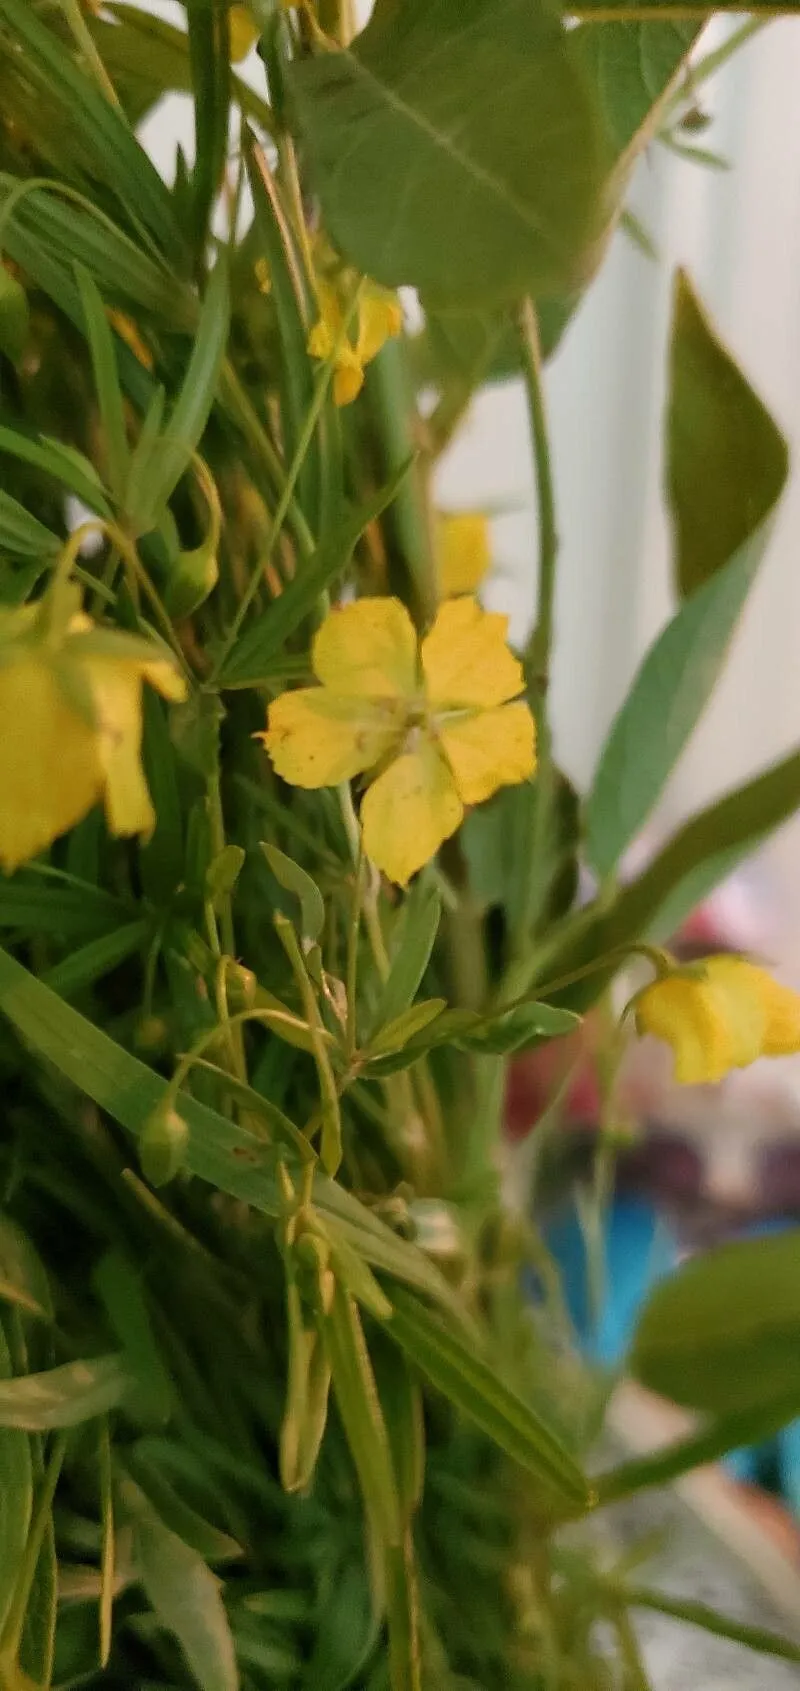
x: 273, y: 1410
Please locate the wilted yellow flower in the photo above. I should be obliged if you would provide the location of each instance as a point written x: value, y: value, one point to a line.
x: 379, y: 319
x: 244, y: 32
x: 463, y: 551
x: 429, y: 721
x: 721, y: 1018
x: 71, y: 730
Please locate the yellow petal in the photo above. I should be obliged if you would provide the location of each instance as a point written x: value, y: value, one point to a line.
x: 687, y: 1014
x: 320, y: 341
x: 490, y: 749
x: 50, y: 771
x: 380, y: 318
x: 163, y: 675
x: 316, y: 738
x: 367, y: 648
x: 117, y: 693
x: 244, y: 32
x: 770, y: 1011
x: 409, y: 810
x: 348, y: 378
x: 462, y: 546
x: 466, y: 659
x: 740, y: 987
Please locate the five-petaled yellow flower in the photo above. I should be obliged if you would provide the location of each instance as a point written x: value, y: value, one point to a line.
x: 379, y: 320
x: 721, y: 1018
x: 430, y: 722
x: 71, y: 729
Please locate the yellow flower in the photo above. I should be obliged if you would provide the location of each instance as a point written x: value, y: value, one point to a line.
x: 71, y: 717
x: 379, y: 319
x: 243, y: 33
x: 463, y: 550
x: 430, y: 722
x: 721, y: 1019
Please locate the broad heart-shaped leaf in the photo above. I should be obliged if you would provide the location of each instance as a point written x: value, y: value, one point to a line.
x: 427, y: 177
x: 668, y: 695
x: 722, y: 1333
x: 726, y: 459
x: 632, y: 68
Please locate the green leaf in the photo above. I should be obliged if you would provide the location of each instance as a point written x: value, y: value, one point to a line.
x: 265, y: 639
x: 200, y: 1535
x: 360, y: 1410
x: 426, y: 178
x: 223, y: 872
x: 209, y: 55
x: 65, y: 1396
x: 226, y: 1156
x: 84, y: 967
x: 37, y: 1644
x: 662, y: 709
x: 16, y: 1497
x: 471, y: 1383
x: 64, y: 463
x: 23, y: 535
x: 88, y: 119
x: 23, y: 1277
x: 691, y: 1613
x: 106, y: 380
x: 515, y: 1030
x: 633, y: 67
x: 192, y: 408
x: 32, y: 906
x: 394, y: 1035
x: 121, y: 1294
x: 419, y: 925
x: 296, y: 880
x: 184, y: 1595
x: 726, y: 459
x: 721, y: 1333
x: 731, y: 1431
x: 145, y: 56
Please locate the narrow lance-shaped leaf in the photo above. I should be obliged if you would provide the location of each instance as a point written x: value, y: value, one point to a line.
x: 726, y: 460
x: 678, y: 674
x: 427, y: 178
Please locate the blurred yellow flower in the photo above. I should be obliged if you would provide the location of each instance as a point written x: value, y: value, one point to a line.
x: 379, y: 319
x: 243, y: 32
x: 71, y: 715
x: 463, y: 551
x: 720, y: 1019
x: 430, y: 722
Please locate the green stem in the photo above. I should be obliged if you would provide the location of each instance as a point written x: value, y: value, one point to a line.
x: 15, y: 1621
x: 84, y: 42
x: 306, y: 436
x: 351, y: 982
x: 409, y: 518
x: 684, y: 1609
x: 728, y: 1432
x: 241, y: 412
x: 331, y: 1145
x: 539, y: 653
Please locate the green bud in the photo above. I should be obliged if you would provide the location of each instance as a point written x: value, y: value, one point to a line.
x: 14, y: 315
x: 163, y: 1145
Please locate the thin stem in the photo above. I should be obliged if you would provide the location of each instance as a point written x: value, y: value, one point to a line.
x: 331, y: 1144
x: 538, y: 655
x: 684, y: 1609
x: 306, y: 435
x: 12, y: 1633
x: 727, y: 1432
x: 351, y: 981
x: 83, y: 40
